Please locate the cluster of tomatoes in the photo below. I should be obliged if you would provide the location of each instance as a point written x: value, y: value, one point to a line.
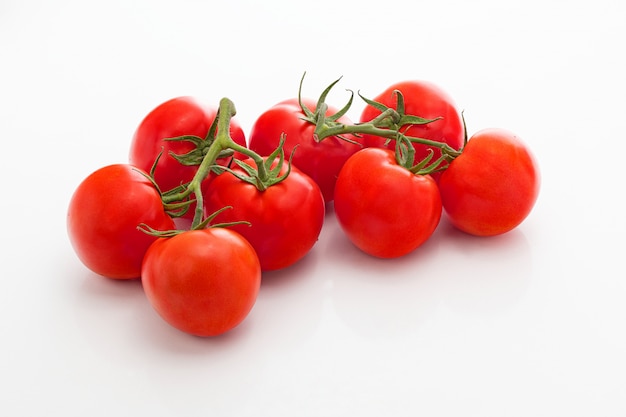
x: 200, y: 211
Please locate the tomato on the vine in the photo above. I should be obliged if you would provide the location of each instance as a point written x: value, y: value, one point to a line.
x: 202, y: 282
x: 319, y: 159
x: 492, y: 186
x: 285, y: 219
x: 180, y: 116
x: 385, y: 209
x: 103, y: 215
x: 426, y: 100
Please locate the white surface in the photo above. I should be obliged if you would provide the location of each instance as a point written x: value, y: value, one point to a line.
x: 528, y: 324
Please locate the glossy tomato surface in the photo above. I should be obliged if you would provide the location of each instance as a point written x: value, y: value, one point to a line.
x: 320, y: 160
x: 383, y: 208
x: 285, y: 219
x: 492, y: 186
x: 103, y: 216
x: 424, y: 99
x: 202, y: 282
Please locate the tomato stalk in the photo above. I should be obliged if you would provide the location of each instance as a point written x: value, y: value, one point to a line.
x: 393, y: 122
x: 388, y: 124
x: 221, y: 142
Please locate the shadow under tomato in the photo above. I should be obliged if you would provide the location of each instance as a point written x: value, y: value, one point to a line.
x: 116, y: 319
x: 486, y: 275
x: 290, y: 303
x: 394, y: 297
x: 383, y: 298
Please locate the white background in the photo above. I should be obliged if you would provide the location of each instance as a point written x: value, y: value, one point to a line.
x: 531, y: 323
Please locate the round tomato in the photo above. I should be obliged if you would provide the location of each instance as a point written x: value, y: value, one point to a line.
x: 492, y: 186
x: 202, y: 282
x: 383, y: 208
x: 103, y: 216
x: 319, y: 159
x: 180, y: 116
x: 423, y: 99
x: 285, y: 219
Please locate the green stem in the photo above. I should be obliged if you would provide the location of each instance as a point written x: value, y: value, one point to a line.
x: 388, y: 124
x: 370, y: 128
x: 222, y: 141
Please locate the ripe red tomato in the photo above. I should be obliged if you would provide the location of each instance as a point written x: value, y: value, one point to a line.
x: 103, y: 216
x: 383, y: 208
x: 427, y: 100
x: 285, y: 219
x: 320, y: 160
x: 202, y: 282
x: 492, y: 186
x: 176, y: 117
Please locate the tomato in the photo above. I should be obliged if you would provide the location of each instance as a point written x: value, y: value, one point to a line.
x: 320, y: 160
x: 103, y: 216
x: 202, y: 282
x: 427, y: 100
x: 173, y: 118
x: 285, y: 219
x: 383, y: 208
x: 492, y: 186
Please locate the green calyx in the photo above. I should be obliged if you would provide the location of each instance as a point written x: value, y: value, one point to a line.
x: 201, y: 148
x: 216, y: 144
x: 405, y: 157
x: 202, y: 225
x: 394, y: 119
x: 390, y: 124
x: 326, y: 125
x: 264, y: 175
x: 218, y: 139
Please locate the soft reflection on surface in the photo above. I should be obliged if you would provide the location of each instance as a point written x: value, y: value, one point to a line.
x: 453, y: 271
x: 486, y: 275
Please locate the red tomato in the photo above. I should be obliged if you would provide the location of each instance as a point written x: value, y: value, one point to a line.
x: 492, y: 186
x: 285, y: 219
x: 103, y: 216
x: 320, y: 160
x: 423, y: 99
x: 202, y: 282
x: 176, y: 117
x: 383, y: 208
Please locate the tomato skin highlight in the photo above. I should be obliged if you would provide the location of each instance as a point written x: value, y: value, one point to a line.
x: 103, y: 216
x: 202, y: 282
x: 492, y: 186
x: 383, y: 208
x: 320, y: 160
x: 423, y: 99
x: 175, y: 117
x: 285, y: 219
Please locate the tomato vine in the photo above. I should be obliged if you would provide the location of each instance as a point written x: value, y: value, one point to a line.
x: 388, y: 198
x: 262, y: 176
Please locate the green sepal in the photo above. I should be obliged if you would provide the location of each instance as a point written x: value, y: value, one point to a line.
x: 143, y: 227
x: 378, y: 106
x: 415, y: 120
x: 421, y: 164
x: 158, y: 233
x: 405, y: 157
x: 405, y: 153
x: 403, y: 119
x: 265, y: 176
x: 178, y: 209
x: 207, y: 222
x: 201, y: 146
x: 323, y: 123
